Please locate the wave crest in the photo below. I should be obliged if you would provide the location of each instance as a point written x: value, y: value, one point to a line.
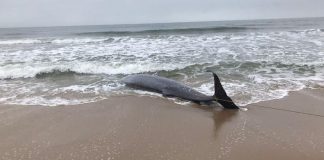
x: 19, y: 71
x: 170, y: 31
x: 55, y: 72
x: 20, y: 41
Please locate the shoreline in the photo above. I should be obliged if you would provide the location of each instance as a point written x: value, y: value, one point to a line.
x: 140, y: 127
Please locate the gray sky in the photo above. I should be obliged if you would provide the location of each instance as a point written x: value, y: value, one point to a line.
x: 22, y: 13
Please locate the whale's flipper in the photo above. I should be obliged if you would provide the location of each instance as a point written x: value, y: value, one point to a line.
x: 220, y: 94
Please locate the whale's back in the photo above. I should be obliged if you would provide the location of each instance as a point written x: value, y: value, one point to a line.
x: 167, y: 87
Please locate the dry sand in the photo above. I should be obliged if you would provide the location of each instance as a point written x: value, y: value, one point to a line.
x: 141, y: 128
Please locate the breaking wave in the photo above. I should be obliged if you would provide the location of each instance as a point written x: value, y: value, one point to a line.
x: 73, y: 69
x: 17, y: 71
x: 20, y: 41
x: 170, y: 31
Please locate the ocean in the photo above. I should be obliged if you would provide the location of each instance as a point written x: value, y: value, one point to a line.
x: 257, y: 60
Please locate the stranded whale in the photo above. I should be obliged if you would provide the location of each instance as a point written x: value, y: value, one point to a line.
x: 171, y: 88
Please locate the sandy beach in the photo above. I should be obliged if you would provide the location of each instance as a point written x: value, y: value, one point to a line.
x: 131, y: 127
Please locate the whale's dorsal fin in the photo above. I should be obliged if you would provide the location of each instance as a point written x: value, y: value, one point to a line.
x: 219, y: 91
x: 220, y: 94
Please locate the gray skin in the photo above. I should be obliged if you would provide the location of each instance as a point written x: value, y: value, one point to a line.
x: 171, y: 88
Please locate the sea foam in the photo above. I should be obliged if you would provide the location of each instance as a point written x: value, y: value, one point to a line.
x: 253, y: 66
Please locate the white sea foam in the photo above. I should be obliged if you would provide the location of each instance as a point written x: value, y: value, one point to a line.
x: 207, y: 88
x: 78, y: 40
x: 147, y: 93
x: 19, y: 41
x: 254, y: 66
x: 56, y: 41
x: 57, y: 101
x: 317, y: 42
x: 22, y: 71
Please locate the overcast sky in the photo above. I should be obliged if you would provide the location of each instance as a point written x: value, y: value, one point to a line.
x: 22, y: 13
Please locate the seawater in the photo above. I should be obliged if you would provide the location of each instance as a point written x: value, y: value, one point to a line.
x: 256, y: 60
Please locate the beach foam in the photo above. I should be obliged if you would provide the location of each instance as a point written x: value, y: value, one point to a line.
x: 254, y: 66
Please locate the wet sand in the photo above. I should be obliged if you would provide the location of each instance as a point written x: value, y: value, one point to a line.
x: 132, y: 127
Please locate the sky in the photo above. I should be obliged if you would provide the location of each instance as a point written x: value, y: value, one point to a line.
x: 31, y: 13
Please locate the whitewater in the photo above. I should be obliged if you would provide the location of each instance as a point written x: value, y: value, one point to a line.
x: 256, y: 60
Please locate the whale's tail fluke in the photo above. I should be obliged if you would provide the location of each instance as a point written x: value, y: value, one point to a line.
x: 220, y: 94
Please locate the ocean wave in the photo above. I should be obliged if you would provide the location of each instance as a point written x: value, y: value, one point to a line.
x: 20, y: 71
x: 20, y: 41
x: 224, y: 29
x: 56, y: 41
x: 56, y: 101
x: 117, y: 36
x: 307, y: 31
x: 253, y: 66
x: 170, y: 31
x: 55, y: 72
x: 80, y: 40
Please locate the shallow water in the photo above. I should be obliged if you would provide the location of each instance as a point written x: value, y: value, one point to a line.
x: 256, y: 60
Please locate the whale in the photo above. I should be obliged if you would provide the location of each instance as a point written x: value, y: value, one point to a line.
x: 172, y: 88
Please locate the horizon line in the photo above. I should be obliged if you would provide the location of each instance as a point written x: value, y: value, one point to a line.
x: 170, y: 22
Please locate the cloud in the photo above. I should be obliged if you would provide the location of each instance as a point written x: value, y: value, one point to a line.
x: 20, y: 13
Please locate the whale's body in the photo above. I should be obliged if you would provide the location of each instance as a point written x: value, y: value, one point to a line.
x: 171, y: 88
